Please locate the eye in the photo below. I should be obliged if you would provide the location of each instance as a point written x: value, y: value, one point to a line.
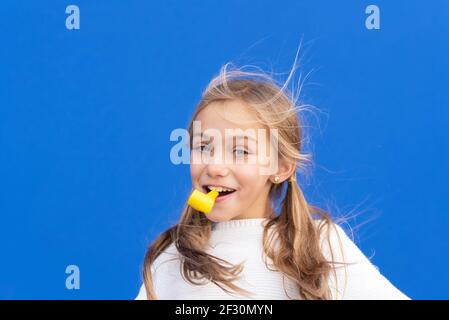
x: 241, y: 152
x: 200, y: 148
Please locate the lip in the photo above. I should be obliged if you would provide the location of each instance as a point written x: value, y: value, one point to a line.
x: 204, y: 186
x: 224, y: 198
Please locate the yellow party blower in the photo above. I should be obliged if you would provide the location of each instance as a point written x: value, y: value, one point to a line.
x: 201, y: 201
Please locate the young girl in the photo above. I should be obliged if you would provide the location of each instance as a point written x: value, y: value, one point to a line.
x: 243, y: 248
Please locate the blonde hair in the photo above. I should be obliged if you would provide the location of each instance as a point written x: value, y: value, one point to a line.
x: 298, y: 255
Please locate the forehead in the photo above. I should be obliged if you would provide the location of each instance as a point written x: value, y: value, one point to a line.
x: 230, y: 114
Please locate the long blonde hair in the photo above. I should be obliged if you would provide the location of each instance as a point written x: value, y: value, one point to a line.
x: 298, y: 255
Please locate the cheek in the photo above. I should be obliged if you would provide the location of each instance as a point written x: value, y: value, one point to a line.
x: 249, y: 177
x: 195, y: 171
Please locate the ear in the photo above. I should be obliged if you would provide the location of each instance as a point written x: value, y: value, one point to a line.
x: 286, y: 169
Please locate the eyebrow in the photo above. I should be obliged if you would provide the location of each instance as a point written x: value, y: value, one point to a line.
x: 206, y: 136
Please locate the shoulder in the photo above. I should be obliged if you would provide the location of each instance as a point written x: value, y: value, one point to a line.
x: 142, y: 295
x: 164, y: 265
x: 337, y: 244
x: 169, y: 255
x: 354, y: 275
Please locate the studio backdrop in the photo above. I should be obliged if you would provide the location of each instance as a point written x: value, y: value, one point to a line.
x: 90, y: 92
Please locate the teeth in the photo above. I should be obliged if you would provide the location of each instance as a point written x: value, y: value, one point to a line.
x: 219, y: 189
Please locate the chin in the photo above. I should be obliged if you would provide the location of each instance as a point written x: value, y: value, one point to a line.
x: 217, y: 217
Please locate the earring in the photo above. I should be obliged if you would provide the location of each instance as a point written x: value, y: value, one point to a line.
x: 276, y: 179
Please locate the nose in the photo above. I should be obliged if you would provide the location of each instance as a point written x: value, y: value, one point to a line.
x: 217, y: 163
x: 214, y: 169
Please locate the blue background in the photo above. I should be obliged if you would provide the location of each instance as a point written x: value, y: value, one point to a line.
x: 86, y: 116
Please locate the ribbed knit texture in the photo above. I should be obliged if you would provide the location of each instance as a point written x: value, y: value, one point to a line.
x: 241, y: 240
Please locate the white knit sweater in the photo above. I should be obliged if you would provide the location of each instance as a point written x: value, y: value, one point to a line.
x: 239, y: 240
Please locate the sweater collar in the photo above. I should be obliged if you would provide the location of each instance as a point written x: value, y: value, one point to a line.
x: 240, y: 223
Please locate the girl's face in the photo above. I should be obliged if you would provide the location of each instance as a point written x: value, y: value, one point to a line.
x: 251, y: 196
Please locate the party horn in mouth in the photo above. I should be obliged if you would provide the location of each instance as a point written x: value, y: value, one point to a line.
x: 201, y: 201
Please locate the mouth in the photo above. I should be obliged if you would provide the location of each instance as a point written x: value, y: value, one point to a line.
x: 222, y: 192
